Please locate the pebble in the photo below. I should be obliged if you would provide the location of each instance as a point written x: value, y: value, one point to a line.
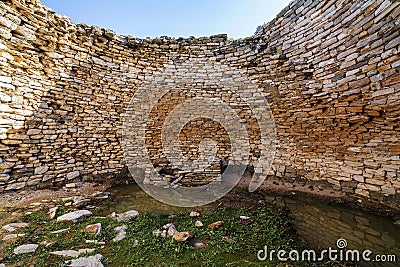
x: 170, y: 229
x: 194, y: 214
x: 52, y: 213
x: 197, y: 244
x: 198, y: 224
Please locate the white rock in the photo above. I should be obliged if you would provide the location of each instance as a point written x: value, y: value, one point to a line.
x: 60, y: 231
x: 19, y: 225
x: 198, y: 224
x: 194, y: 214
x: 126, y: 216
x: 8, y: 228
x: 92, y: 261
x: 71, y: 253
x: 24, y: 249
x: 52, y: 213
x: 244, y: 217
x: 74, y: 216
x: 121, y: 233
x: 96, y: 242
x: 12, y: 236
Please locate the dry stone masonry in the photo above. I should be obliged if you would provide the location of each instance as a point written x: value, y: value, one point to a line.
x: 329, y: 70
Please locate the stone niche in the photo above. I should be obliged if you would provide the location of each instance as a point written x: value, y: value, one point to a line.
x: 328, y: 69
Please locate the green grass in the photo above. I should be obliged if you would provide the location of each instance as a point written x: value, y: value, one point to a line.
x: 268, y: 225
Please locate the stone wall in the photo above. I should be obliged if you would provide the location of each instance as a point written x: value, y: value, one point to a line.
x: 329, y: 70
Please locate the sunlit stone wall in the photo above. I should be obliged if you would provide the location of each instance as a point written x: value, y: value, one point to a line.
x: 328, y: 69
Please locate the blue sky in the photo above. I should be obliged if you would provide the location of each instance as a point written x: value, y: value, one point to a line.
x: 175, y: 18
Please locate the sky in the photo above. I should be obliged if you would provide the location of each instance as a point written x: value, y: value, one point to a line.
x: 175, y: 18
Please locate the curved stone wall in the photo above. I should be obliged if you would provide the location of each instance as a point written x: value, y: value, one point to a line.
x: 329, y: 70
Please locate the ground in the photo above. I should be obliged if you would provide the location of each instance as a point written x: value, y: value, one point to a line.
x: 235, y: 244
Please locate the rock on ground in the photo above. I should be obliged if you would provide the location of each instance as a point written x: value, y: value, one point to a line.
x: 94, y: 229
x: 92, y: 261
x: 71, y: 253
x: 12, y: 236
x: 121, y: 233
x: 24, y: 249
x: 216, y: 225
x: 74, y: 216
x: 12, y: 227
x: 182, y: 236
x: 126, y: 216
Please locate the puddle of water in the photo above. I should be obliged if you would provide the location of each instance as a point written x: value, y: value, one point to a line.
x: 132, y: 197
x: 320, y: 225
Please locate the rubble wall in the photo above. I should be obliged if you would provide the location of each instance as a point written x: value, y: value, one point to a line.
x: 329, y: 70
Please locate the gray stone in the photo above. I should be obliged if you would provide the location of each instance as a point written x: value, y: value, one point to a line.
x: 19, y: 225
x: 126, y: 216
x: 34, y: 132
x: 71, y: 253
x: 73, y: 175
x: 8, y: 228
x: 121, y: 233
x: 41, y: 169
x: 92, y: 261
x: 74, y: 216
x: 24, y: 249
x: 197, y: 244
x: 12, y: 237
x: 15, y: 186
